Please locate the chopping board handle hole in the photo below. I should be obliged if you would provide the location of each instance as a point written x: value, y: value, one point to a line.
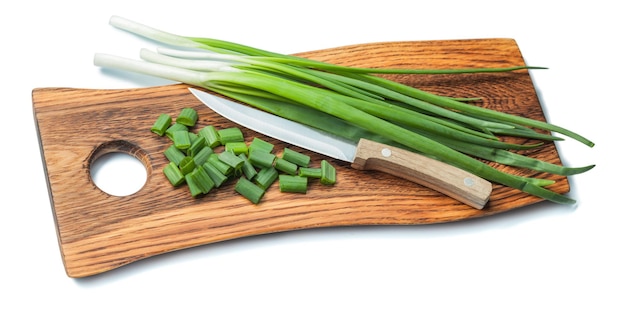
x: 119, y: 168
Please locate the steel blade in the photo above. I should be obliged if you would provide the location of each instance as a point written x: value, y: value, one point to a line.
x: 279, y: 128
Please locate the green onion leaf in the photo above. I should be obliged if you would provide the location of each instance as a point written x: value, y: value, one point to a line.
x: 286, y: 166
x: 266, y: 177
x: 291, y: 183
x: 249, y: 190
x: 229, y: 135
x: 161, y: 124
x: 187, y: 117
x: 329, y: 173
x: 173, y: 174
x: 295, y: 157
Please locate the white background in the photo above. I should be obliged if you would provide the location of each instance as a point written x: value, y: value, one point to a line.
x: 542, y: 264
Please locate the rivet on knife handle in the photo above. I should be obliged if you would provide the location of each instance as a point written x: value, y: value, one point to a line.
x: 449, y: 180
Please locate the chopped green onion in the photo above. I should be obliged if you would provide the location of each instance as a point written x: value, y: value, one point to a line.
x: 265, y: 177
x: 249, y: 190
x: 174, y: 155
x: 174, y: 128
x: 228, y: 135
x: 197, y: 144
x: 248, y: 169
x: 194, y: 188
x: 202, y: 180
x: 285, y: 166
x: 187, y: 165
x: 173, y: 174
x: 187, y: 117
x: 201, y: 157
x: 329, y: 173
x: 261, y: 159
x: 216, y: 175
x: 291, y: 183
x: 298, y: 158
x: 210, y: 135
x: 236, y: 147
x: 161, y: 124
x: 310, y: 172
x: 259, y: 144
x: 224, y: 168
x: 181, y: 140
x: 231, y: 159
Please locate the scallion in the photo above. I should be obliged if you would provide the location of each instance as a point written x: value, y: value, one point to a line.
x: 300, y: 159
x: 161, y: 124
x: 188, y: 117
x: 357, y: 102
x: 229, y: 135
x: 285, y: 166
x: 249, y: 190
x: 173, y: 174
x: 329, y: 173
x: 291, y: 183
x: 265, y: 177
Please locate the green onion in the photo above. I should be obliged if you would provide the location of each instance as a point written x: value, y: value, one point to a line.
x: 197, y: 144
x: 291, y: 183
x: 237, y: 147
x: 329, y: 173
x: 261, y: 159
x: 285, y: 166
x: 181, y: 140
x: 194, y: 188
x: 231, y: 159
x: 229, y: 135
x: 356, y: 103
x: 161, y: 124
x: 310, y: 172
x: 187, y: 117
x: 202, y: 180
x: 173, y: 174
x: 248, y: 169
x: 216, y: 175
x: 174, y: 128
x: 201, y: 157
x: 259, y: 144
x: 265, y: 177
x: 249, y: 190
x: 295, y: 157
x: 173, y: 154
x: 187, y: 165
x: 220, y: 165
x: 210, y: 135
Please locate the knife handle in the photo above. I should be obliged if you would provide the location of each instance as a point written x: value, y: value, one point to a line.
x: 444, y: 178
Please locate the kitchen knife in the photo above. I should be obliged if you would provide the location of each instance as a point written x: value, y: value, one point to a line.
x: 364, y: 155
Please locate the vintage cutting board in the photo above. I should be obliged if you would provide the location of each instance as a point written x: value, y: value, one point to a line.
x: 98, y: 232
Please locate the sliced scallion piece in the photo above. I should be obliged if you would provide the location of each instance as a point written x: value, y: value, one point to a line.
x: 249, y: 190
x: 310, y: 172
x: 202, y: 180
x: 247, y: 168
x: 216, y: 175
x: 187, y: 165
x: 295, y: 157
x: 161, y: 124
x: 194, y: 189
x: 174, y: 128
x: 285, y: 166
x: 224, y: 168
x: 237, y: 147
x: 201, y: 157
x: 181, y: 140
x: 265, y: 177
x: 261, y: 159
x: 231, y: 134
x: 259, y: 144
x: 210, y: 135
x: 187, y: 117
x: 291, y: 183
x: 231, y: 159
x: 173, y: 154
x: 173, y: 174
x: 329, y: 173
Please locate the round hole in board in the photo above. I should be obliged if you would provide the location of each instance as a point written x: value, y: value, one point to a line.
x: 119, y: 168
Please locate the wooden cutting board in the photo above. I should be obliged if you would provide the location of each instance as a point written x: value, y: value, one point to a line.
x: 98, y: 232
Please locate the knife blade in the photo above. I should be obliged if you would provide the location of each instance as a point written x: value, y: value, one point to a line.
x: 364, y: 155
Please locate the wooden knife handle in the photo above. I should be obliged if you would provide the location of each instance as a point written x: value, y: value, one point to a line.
x: 444, y: 178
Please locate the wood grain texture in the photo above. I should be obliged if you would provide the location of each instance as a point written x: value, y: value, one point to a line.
x: 99, y: 232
